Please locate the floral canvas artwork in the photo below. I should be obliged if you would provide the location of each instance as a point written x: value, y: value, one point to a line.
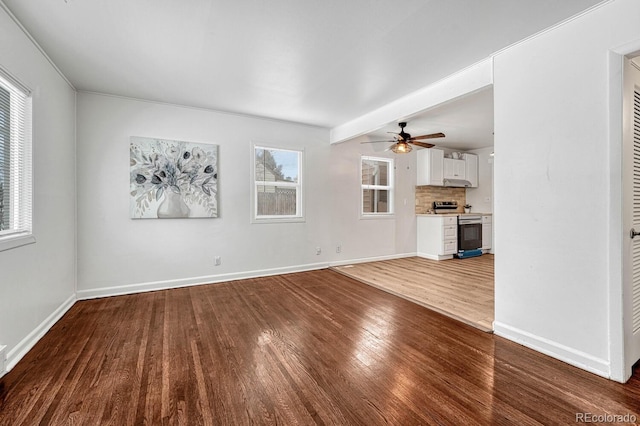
x: 173, y: 179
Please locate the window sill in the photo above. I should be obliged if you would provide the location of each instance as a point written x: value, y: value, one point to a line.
x: 9, y: 242
x: 278, y: 220
x: 378, y: 216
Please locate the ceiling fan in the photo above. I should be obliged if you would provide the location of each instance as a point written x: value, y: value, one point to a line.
x: 403, y: 139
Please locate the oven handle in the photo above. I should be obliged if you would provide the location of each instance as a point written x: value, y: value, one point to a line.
x: 476, y: 222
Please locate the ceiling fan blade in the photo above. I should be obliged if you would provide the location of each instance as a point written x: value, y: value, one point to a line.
x: 422, y: 144
x: 431, y: 136
x: 378, y: 141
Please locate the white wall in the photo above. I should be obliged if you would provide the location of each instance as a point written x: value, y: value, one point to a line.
x: 117, y: 254
x: 367, y: 238
x: 481, y: 198
x: 552, y: 186
x: 37, y: 281
x: 116, y: 251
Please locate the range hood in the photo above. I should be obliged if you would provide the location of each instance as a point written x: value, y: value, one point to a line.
x: 460, y: 183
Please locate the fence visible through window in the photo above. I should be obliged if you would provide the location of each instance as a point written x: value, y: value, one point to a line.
x: 274, y: 201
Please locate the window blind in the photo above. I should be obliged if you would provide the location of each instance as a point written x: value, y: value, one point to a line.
x: 5, y: 159
x: 15, y: 158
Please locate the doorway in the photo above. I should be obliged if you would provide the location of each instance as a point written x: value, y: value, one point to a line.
x: 631, y: 211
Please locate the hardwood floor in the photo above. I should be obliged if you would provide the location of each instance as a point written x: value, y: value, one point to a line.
x: 307, y: 348
x: 460, y: 288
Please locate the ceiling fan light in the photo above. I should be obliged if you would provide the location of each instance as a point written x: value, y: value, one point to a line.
x: 401, y: 148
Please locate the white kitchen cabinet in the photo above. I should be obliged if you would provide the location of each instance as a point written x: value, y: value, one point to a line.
x: 433, y: 168
x: 437, y: 236
x: 471, y: 169
x: 454, y: 168
x: 430, y: 167
x: 487, y: 232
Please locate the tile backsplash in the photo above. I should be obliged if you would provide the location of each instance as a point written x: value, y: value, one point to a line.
x: 426, y: 195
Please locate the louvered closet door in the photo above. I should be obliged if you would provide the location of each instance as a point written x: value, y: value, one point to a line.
x: 631, y: 185
x: 635, y: 291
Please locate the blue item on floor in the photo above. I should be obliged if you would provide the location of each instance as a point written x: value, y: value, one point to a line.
x: 463, y: 254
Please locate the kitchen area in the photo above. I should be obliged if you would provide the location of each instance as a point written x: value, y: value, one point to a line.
x: 449, y: 185
x: 452, y: 271
x: 452, y: 268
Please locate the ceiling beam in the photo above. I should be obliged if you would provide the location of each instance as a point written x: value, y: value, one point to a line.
x: 464, y: 82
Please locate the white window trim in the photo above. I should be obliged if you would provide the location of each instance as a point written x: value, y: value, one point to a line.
x: 23, y: 190
x: 14, y: 240
x: 390, y: 188
x: 299, y: 217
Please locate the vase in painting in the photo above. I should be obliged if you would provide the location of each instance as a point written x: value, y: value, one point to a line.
x: 172, y: 206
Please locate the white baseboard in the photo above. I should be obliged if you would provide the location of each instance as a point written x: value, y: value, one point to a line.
x: 25, y: 345
x: 435, y: 256
x: 371, y: 259
x: 3, y: 358
x: 211, y: 279
x: 187, y: 282
x: 556, y: 350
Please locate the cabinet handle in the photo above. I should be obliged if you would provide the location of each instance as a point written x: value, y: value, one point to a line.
x: 633, y: 233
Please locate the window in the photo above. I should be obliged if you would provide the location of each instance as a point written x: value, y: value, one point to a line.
x: 277, y: 187
x: 15, y: 164
x: 377, y: 186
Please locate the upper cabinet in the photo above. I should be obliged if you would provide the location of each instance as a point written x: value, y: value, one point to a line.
x: 433, y: 168
x: 454, y: 169
x: 430, y: 167
x: 471, y: 168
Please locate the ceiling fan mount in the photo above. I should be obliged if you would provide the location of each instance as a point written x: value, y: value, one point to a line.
x: 402, y: 140
x: 403, y: 135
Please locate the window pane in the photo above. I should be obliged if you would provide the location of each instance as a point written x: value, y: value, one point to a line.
x: 368, y: 172
x: 15, y: 160
x: 375, y: 172
x: 375, y: 201
x: 274, y: 165
x: 5, y: 144
x: 276, y: 200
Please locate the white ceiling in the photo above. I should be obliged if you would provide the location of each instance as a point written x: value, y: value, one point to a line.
x: 309, y: 61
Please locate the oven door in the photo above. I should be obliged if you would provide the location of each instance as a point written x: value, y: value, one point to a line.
x: 470, y: 236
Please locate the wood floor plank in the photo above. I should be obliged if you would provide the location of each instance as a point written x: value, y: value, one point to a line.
x: 460, y: 288
x: 308, y: 348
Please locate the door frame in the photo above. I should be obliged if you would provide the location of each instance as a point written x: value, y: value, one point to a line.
x: 618, y: 368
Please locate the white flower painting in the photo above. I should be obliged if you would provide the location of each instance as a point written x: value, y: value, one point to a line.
x: 173, y: 179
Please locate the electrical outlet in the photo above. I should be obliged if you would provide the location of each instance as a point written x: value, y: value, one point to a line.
x: 318, y: 250
x: 218, y: 260
x: 339, y: 248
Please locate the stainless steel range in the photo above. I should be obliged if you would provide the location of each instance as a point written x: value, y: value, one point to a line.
x: 445, y: 206
x: 469, y: 232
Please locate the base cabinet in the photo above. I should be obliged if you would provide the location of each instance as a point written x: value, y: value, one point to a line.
x: 487, y: 233
x: 437, y: 236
